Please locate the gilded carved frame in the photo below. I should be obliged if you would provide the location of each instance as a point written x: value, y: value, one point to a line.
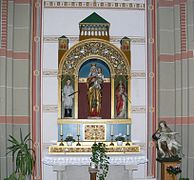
x: 94, y: 48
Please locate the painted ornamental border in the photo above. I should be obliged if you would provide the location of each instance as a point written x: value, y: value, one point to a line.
x: 113, y: 39
x: 53, y: 108
x: 105, y: 5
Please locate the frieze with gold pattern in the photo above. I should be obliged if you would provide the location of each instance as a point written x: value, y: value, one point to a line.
x: 87, y: 149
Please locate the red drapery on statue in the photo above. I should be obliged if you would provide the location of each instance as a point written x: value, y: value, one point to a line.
x: 83, y: 108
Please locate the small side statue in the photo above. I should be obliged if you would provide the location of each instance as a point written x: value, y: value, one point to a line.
x: 68, y: 95
x: 169, y: 149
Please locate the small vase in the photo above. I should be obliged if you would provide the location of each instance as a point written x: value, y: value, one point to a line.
x: 119, y: 143
x: 69, y: 143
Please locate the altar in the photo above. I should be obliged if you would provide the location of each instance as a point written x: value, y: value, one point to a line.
x: 94, y: 84
x: 60, y: 162
x: 94, y: 101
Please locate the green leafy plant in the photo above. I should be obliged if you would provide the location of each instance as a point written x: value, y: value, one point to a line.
x: 69, y: 138
x: 100, y: 159
x: 120, y: 137
x: 23, y: 156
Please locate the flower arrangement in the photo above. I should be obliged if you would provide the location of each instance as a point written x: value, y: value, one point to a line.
x: 69, y: 138
x: 120, y: 137
x: 173, y: 170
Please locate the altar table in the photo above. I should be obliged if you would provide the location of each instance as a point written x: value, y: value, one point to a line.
x: 60, y: 162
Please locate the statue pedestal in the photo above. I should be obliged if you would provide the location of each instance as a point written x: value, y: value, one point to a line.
x: 164, y: 174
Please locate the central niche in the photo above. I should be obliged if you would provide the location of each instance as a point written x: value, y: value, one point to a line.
x: 94, y: 88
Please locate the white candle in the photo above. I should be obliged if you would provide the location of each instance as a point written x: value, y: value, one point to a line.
x: 78, y: 129
x: 112, y: 130
x: 127, y: 129
x: 61, y: 127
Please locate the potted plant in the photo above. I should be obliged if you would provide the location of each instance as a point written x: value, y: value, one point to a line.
x: 120, y: 139
x: 69, y: 140
x: 100, y: 159
x: 23, y: 156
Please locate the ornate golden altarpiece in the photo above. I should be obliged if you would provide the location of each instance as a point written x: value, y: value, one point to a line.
x: 89, y: 115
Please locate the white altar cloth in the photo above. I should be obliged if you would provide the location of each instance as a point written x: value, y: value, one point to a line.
x: 70, y: 160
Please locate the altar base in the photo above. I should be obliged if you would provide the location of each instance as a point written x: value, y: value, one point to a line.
x: 60, y: 162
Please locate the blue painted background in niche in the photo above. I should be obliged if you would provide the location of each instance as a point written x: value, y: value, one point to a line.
x: 72, y: 129
x: 118, y: 128
x: 85, y: 68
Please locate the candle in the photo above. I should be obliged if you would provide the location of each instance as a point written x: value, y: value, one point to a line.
x: 112, y: 130
x: 78, y: 129
x: 127, y: 129
x: 61, y: 127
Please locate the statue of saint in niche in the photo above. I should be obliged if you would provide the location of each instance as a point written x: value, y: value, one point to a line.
x: 94, y: 87
x: 68, y: 95
x: 121, y: 100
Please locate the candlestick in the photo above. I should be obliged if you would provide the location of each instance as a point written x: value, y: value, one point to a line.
x: 78, y: 129
x: 78, y: 141
x: 112, y: 130
x: 127, y: 129
x: 111, y: 143
x: 127, y: 144
x: 61, y: 140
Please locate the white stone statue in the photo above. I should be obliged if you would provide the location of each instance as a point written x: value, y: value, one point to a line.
x: 68, y: 95
x: 169, y: 149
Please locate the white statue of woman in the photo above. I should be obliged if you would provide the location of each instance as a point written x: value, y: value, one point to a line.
x: 167, y: 145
